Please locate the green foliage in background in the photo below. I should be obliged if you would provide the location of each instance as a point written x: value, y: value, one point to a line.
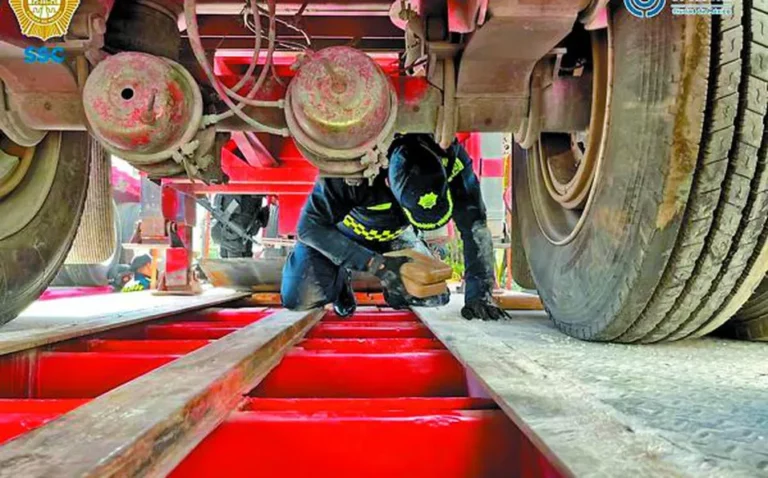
x: 453, y: 255
x: 455, y: 258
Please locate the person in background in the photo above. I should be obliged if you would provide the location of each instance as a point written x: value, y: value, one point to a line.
x: 141, y: 266
x: 120, y: 276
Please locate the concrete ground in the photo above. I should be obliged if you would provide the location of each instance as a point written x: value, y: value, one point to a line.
x: 700, y: 406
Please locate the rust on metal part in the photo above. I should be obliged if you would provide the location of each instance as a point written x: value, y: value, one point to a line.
x: 141, y: 103
x: 340, y: 100
x: 493, y: 79
x: 569, y: 159
x: 38, y: 96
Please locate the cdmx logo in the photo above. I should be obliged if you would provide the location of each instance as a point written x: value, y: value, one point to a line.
x: 645, y: 8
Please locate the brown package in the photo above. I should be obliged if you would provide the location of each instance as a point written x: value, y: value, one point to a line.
x: 423, y: 269
x: 425, y: 276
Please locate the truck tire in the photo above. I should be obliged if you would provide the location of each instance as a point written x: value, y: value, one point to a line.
x: 751, y: 323
x: 39, y: 219
x: 521, y: 271
x: 94, y: 275
x: 670, y: 242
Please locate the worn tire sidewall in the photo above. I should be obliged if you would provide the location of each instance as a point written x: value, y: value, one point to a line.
x: 596, y: 285
x: 30, y: 259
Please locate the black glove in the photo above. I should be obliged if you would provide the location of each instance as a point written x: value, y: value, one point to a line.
x: 483, y: 308
x: 387, y: 269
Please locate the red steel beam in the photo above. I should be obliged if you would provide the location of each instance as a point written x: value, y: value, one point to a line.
x: 240, y: 188
x: 333, y: 330
x: 292, y: 172
x: 365, y: 44
x: 373, y: 316
x: 191, y: 330
x: 370, y: 346
x: 53, y: 293
x: 244, y: 315
x: 401, y: 405
x: 20, y: 416
x: 89, y: 374
x: 220, y: 26
x: 290, y: 212
x: 15, y: 424
x: 133, y: 346
x: 445, y: 444
x: 253, y: 150
x: 308, y: 374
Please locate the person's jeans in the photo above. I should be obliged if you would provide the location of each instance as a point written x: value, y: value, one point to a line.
x: 311, y: 280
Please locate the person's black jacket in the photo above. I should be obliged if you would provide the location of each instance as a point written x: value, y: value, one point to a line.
x: 321, y: 225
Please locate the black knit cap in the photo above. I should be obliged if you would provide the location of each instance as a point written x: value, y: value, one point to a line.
x: 418, y: 180
x: 140, y: 261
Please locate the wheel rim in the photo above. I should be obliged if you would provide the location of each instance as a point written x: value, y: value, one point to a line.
x: 563, y: 166
x: 14, y: 164
x: 27, y: 186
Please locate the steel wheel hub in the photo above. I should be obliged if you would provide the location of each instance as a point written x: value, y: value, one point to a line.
x: 564, y: 166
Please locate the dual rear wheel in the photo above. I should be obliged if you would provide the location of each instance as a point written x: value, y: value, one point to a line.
x: 669, y: 241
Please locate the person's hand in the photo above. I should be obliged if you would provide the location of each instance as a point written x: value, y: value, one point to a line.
x: 387, y: 269
x: 397, y: 299
x: 483, y: 308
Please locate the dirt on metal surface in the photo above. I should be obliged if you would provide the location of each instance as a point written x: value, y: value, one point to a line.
x: 341, y: 98
x: 140, y: 103
x: 688, y: 121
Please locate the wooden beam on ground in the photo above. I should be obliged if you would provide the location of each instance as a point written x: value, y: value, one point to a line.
x: 578, y: 432
x: 509, y: 300
x: 147, y: 426
x: 272, y: 299
x: 51, y: 321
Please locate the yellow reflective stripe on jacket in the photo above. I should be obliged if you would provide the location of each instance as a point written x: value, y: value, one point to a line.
x: 380, y: 207
x: 133, y: 287
x: 371, y: 234
x: 458, y: 167
x: 429, y: 225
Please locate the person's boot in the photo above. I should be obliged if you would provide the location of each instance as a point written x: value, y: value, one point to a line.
x: 345, y: 304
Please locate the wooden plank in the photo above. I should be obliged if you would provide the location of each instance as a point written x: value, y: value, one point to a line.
x: 268, y: 299
x: 509, y: 300
x: 51, y: 321
x: 582, y: 434
x: 147, y: 426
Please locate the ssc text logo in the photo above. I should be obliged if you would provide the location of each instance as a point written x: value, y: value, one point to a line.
x: 43, y: 55
x: 645, y: 8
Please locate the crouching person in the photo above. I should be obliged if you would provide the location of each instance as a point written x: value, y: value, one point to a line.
x: 346, y: 228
